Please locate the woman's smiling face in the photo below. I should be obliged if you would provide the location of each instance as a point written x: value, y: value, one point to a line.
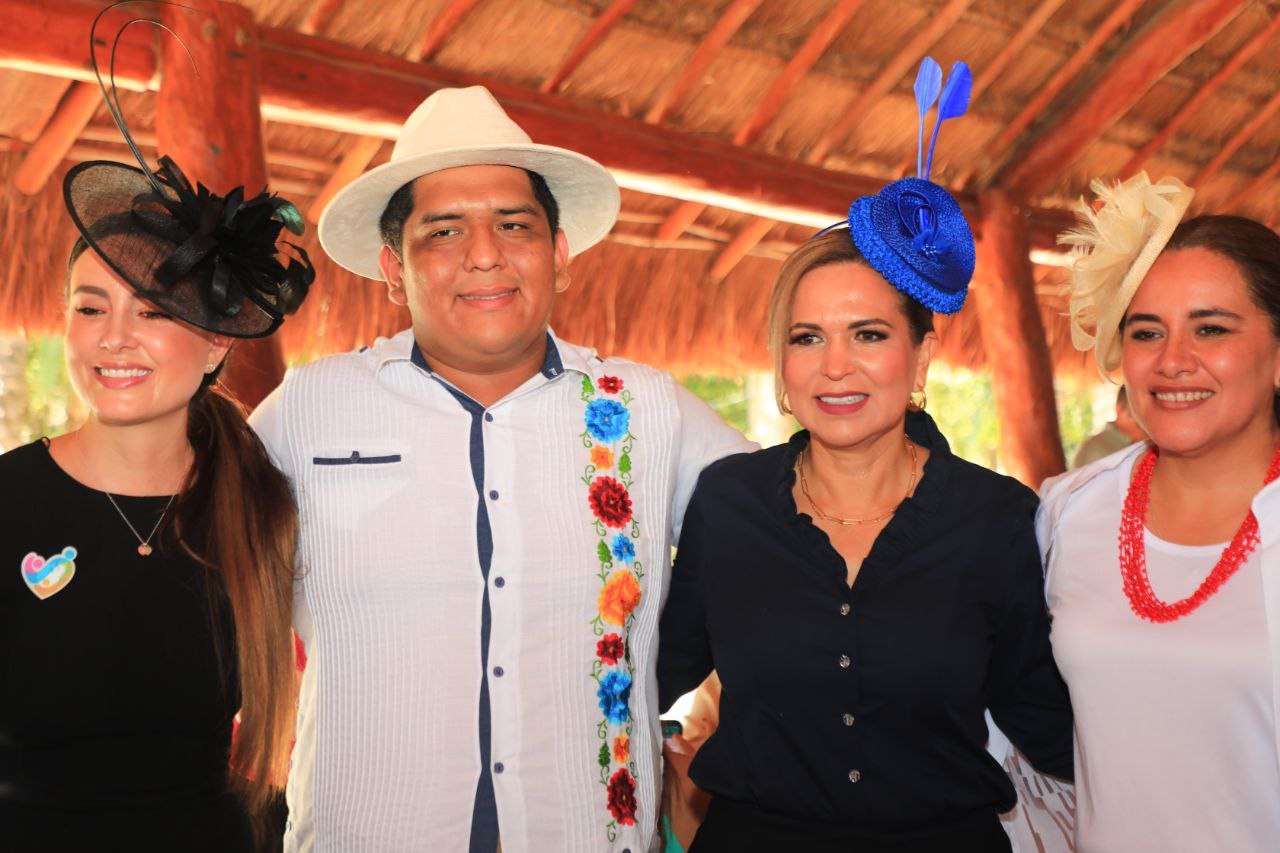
x: 129, y: 360
x: 1200, y: 359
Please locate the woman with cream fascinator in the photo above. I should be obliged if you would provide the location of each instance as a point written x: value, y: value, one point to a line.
x: 1162, y: 559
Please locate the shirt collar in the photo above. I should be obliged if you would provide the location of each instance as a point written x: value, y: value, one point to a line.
x: 921, y: 429
x: 552, y: 362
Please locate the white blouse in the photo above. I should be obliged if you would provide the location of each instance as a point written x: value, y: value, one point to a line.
x: 1175, y: 722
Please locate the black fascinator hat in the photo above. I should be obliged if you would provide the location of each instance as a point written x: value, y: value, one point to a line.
x: 213, y: 261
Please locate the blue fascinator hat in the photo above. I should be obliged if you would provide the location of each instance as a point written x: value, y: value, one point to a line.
x: 913, y: 232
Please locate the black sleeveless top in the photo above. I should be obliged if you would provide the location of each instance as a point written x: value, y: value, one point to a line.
x: 116, y: 701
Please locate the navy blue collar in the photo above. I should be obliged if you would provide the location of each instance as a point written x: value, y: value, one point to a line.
x: 552, y: 366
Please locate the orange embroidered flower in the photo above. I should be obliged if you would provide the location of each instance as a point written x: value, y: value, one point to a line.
x: 619, y: 597
x: 621, y: 749
x: 601, y: 457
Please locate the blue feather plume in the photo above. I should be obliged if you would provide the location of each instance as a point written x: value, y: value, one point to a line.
x: 955, y: 100
x: 928, y: 85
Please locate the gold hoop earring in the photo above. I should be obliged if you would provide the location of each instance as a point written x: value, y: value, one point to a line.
x: 915, y: 405
x: 784, y: 405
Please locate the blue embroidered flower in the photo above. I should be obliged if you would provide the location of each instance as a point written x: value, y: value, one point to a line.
x: 614, y: 692
x: 623, y: 549
x: 607, y: 420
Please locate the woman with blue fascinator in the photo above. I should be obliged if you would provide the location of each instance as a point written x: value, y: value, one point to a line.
x: 149, y: 554
x: 863, y: 593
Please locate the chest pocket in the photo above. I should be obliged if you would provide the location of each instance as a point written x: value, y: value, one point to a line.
x: 349, y: 488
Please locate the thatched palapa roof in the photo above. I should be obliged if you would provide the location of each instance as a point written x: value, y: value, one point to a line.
x: 776, y: 111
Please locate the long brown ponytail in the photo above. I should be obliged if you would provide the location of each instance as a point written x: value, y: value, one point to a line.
x: 239, y: 507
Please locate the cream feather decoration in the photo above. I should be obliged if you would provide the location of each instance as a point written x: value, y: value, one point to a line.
x: 1113, y: 248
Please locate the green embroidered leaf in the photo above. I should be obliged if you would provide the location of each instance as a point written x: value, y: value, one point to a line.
x: 603, y: 758
x: 602, y: 551
x: 588, y: 389
x: 624, y: 464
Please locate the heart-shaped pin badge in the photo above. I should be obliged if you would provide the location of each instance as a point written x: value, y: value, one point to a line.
x: 46, y: 577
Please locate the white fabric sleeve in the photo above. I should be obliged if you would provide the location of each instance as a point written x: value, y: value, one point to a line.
x: 267, y: 420
x: 703, y: 438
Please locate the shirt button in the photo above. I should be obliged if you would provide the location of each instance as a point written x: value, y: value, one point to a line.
x: 498, y: 672
x: 844, y: 661
x: 854, y: 776
x: 499, y: 582
x: 499, y: 767
x: 848, y: 719
x: 844, y: 610
x: 493, y: 494
x: 488, y: 417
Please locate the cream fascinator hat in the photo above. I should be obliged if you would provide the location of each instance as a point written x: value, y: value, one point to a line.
x: 466, y: 127
x: 1113, y: 249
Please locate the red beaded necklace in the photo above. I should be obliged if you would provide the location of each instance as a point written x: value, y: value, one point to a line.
x: 1133, y: 560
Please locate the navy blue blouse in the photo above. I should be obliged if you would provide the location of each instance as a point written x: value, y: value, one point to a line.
x: 864, y: 705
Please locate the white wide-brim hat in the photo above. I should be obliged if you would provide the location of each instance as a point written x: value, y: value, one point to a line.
x: 465, y: 127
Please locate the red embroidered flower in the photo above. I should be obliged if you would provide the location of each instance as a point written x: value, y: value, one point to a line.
x: 609, y: 384
x: 610, y: 502
x: 622, y: 797
x: 610, y: 649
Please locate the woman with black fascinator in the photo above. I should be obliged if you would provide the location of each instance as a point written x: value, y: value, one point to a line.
x: 864, y: 594
x: 152, y: 549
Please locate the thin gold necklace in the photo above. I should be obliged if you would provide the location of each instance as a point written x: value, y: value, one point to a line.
x: 804, y: 487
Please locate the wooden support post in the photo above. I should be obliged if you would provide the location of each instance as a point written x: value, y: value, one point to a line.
x: 1015, y: 345
x: 77, y: 108
x: 211, y: 125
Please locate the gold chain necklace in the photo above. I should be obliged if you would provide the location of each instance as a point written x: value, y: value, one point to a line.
x: 804, y: 487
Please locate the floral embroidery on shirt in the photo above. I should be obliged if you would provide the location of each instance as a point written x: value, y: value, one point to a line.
x: 609, y: 442
x: 610, y: 649
x: 622, y: 797
x: 621, y: 749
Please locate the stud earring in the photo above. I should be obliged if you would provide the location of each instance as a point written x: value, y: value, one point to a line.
x: 917, y: 401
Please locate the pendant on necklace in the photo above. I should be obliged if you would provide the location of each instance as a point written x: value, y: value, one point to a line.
x: 144, y: 549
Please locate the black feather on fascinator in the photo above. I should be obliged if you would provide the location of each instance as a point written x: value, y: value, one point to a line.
x: 213, y: 261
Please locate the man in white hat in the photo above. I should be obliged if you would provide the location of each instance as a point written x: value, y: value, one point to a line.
x: 487, y: 517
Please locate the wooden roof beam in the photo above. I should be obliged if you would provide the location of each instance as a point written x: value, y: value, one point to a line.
x: 1259, y: 185
x: 314, y: 82
x: 729, y: 23
x: 1237, y: 140
x: 362, y: 151
x: 1034, y: 23
x: 442, y: 26
x: 739, y: 247
x: 78, y: 106
x: 999, y: 147
x: 358, y: 157
x: 1176, y: 33
x: 608, y: 19
x: 1202, y: 93
x: 816, y: 44
x: 897, y: 67
x: 319, y: 16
